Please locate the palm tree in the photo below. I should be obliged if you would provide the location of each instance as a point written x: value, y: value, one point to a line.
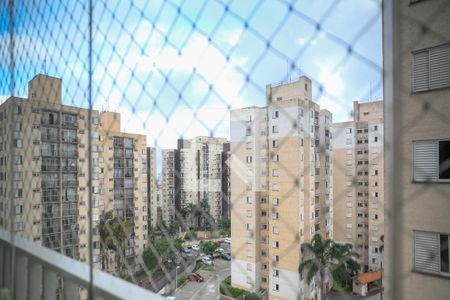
x: 330, y: 259
x: 114, y: 233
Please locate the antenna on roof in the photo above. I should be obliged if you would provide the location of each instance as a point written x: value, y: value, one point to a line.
x: 44, y: 66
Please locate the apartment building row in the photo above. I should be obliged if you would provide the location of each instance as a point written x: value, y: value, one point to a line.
x: 44, y: 169
x: 281, y: 179
x: 358, y: 183
x: 197, y: 171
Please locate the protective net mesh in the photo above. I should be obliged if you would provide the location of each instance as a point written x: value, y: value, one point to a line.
x: 138, y: 137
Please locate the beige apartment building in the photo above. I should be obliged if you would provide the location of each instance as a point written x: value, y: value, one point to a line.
x: 281, y: 189
x: 44, y: 173
x: 202, y: 174
x: 417, y: 94
x: 358, y: 180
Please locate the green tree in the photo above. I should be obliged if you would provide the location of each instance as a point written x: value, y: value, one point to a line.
x: 209, y: 247
x: 225, y: 226
x: 162, y: 249
x: 114, y: 233
x: 327, y: 258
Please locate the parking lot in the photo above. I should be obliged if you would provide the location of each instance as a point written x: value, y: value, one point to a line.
x: 212, y: 277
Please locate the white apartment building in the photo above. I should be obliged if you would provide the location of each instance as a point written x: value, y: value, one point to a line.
x: 358, y: 187
x: 281, y: 189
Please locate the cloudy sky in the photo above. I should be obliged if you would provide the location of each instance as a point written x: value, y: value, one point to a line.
x: 176, y: 68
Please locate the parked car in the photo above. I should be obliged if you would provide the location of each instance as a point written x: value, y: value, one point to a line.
x: 207, y: 260
x: 227, y: 240
x: 186, y: 251
x: 172, y: 298
x: 220, y: 250
x: 195, y: 247
x: 226, y: 256
x: 196, y: 277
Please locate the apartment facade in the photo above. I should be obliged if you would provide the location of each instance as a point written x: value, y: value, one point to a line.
x: 44, y: 172
x: 168, y: 191
x: 358, y: 179
x: 203, y: 174
x: 416, y: 63
x: 152, y: 186
x: 281, y: 179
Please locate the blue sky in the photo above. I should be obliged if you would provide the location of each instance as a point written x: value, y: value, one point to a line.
x: 176, y: 68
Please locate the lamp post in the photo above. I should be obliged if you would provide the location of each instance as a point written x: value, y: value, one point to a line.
x: 176, y: 277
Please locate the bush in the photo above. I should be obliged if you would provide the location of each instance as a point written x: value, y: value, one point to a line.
x: 228, y: 290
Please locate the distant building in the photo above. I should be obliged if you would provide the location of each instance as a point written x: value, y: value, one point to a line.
x: 44, y: 170
x: 152, y: 186
x: 281, y: 179
x: 417, y: 106
x: 358, y: 182
x: 203, y: 174
x: 168, y: 185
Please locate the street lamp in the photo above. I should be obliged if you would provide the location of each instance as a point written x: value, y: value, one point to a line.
x: 176, y: 277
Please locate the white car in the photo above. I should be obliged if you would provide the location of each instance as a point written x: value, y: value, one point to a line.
x: 220, y: 250
x: 227, y: 240
x: 195, y: 247
x: 206, y: 260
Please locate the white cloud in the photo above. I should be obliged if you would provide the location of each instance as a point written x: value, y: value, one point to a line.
x: 118, y: 78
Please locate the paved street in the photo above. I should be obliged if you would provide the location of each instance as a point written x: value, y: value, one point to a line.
x: 209, y: 288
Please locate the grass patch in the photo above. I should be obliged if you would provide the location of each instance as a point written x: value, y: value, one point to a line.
x: 200, y: 266
x: 228, y: 290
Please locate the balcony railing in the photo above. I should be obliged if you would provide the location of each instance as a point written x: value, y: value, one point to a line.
x: 40, y: 273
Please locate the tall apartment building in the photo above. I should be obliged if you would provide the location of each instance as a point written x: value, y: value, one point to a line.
x: 203, y: 174
x: 168, y: 185
x: 417, y: 82
x: 281, y: 179
x: 44, y: 172
x: 358, y: 180
x: 152, y: 186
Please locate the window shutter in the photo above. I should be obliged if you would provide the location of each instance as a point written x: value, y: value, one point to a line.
x: 421, y: 71
x: 426, y: 164
x: 426, y: 252
x: 440, y: 66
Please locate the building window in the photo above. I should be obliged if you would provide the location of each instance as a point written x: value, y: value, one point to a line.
x: 276, y: 287
x: 248, y: 131
x: 276, y: 244
x: 248, y: 145
x: 430, y: 68
x: 248, y: 159
x: 249, y: 200
x: 18, y: 143
x: 249, y: 267
x: 275, y: 129
x: 431, y: 161
x: 275, y: 114
x: 275, y: 157
x: 275, y: 172
x: 431, y: 253
x: 348, y: 130
x: 275, y: 143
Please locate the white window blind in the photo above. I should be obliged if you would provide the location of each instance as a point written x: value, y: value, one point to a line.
x: 426, y: 163
x: 431, y: 68
x: 426, y: 252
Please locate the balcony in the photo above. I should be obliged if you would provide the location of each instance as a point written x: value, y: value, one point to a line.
x: 40, y: 273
